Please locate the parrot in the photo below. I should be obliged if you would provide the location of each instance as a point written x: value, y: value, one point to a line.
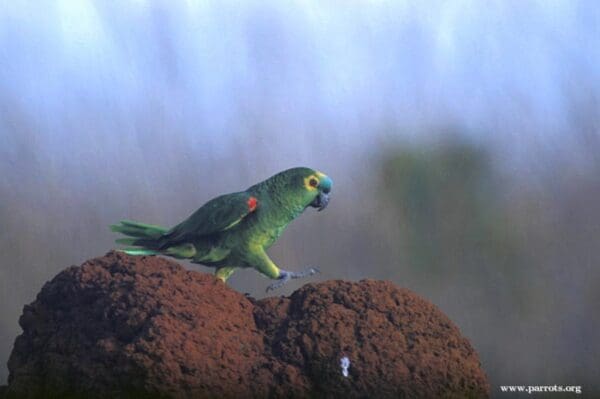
x: 235, y: 230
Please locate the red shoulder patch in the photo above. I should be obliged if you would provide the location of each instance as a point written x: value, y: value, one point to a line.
x: 252, y: 204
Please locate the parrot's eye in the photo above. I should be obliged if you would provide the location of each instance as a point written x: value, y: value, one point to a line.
x: 313, y: 182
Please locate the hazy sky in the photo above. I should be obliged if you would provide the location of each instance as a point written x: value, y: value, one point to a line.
x: 352, y: 65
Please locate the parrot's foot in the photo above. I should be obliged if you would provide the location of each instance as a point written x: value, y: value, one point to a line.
x: 285, y: 276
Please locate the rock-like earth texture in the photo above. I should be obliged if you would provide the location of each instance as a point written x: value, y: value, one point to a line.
x: 121, y: 326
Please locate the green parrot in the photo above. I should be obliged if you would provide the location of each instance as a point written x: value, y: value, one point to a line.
x: 234, y: 230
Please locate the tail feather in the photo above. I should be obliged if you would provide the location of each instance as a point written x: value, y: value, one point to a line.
x: 143, y: 238
x: 127, y: 241
x: 139, y: 251
x: 136, y: 229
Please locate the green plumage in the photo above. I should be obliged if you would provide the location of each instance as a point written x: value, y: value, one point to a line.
x: 234, y: 230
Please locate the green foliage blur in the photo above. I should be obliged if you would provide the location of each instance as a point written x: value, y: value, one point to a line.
x: 508, y: 257
x: 446, y: 203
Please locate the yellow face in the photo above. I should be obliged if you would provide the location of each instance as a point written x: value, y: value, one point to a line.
x: 317, y: 186
x: 312, y: 182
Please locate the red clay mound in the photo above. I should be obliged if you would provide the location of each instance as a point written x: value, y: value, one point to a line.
x: 121, y: 326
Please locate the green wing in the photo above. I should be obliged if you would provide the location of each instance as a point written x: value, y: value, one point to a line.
x: 217, y: 215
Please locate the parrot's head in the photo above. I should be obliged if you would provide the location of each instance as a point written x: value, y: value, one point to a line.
x: 307, y: 187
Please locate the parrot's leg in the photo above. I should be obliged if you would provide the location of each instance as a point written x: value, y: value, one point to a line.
x: 285, y: 276
x: 266, y: 266
x: 225, y: 272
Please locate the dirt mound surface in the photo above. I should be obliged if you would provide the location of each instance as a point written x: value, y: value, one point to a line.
x: 398, y: 344
x: 122, y: 326
x: 140, y: 324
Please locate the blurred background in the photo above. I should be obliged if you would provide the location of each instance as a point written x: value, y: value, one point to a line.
x: 463, y: 138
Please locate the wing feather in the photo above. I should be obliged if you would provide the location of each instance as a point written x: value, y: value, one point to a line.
x: 217, y: 215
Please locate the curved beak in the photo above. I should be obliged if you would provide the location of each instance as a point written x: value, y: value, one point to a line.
x: 320, y: 201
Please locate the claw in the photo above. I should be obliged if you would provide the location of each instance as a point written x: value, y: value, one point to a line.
x: 285, y: 276
x: 305, y: 273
